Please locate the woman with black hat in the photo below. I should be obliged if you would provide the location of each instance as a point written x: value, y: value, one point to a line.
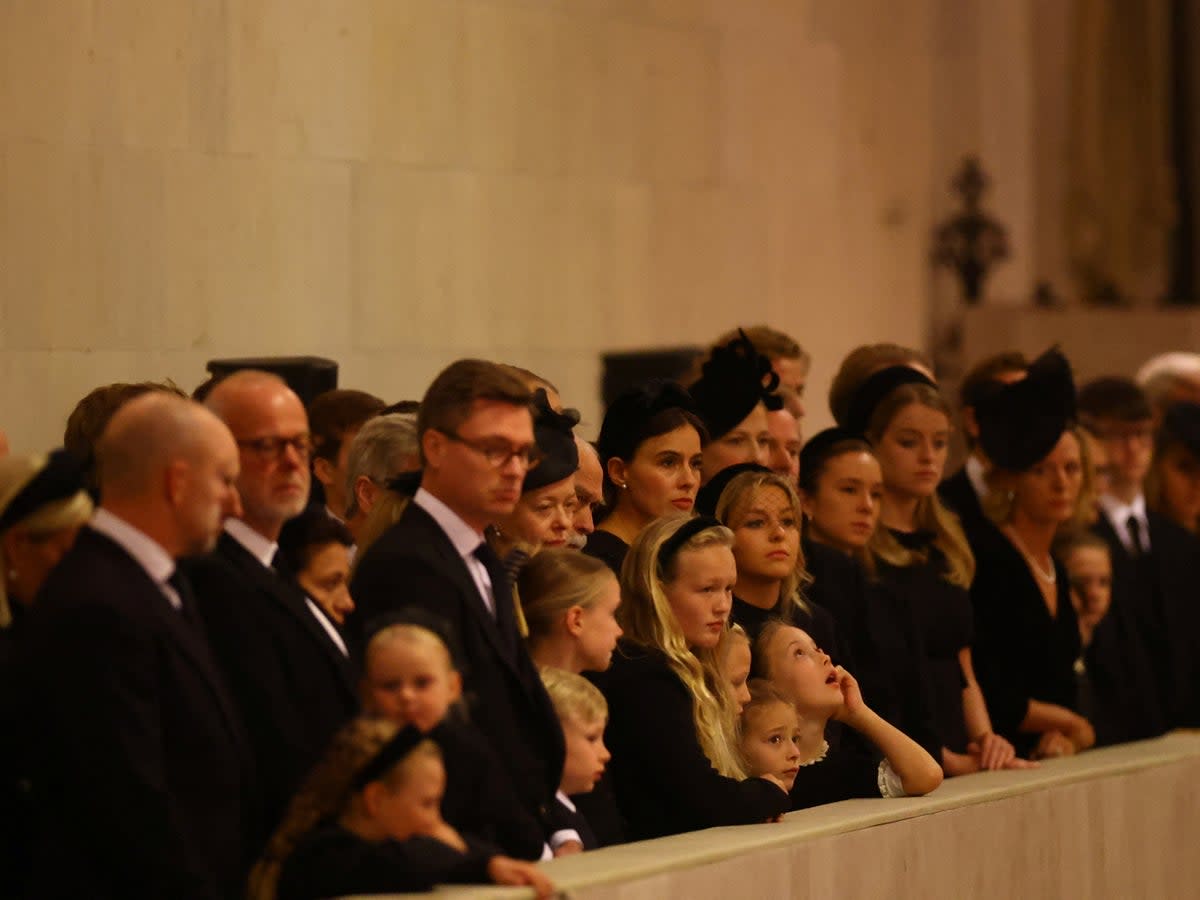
x: 543, y: 515
x: 650, y: 448
x: 1026, y: 634
x: 1173, y: 485
x: 735, y: 390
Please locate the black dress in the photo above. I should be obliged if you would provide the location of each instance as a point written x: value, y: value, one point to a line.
x: 880, y: 641
x: 663, y: 782
x: 849, y: 771
x: 1021, y: 652
x: 608, y: 548
x: 333, y: 862
x: 816, y: 620
x: 944, y: 619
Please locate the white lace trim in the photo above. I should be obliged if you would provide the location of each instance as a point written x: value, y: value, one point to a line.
x: 890, y: 785
x: 821, y: 754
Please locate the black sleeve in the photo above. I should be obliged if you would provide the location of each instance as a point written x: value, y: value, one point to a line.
x: 851, y: 770
x: 661, y: 752
x: 996, y: 654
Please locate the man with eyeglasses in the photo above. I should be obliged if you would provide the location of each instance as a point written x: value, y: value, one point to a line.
x: 286, y: 663
x: 1153, y: 558
x: 475, y: 429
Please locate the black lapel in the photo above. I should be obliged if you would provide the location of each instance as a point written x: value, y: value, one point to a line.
x: 452, y: 563
x: 288, y: 597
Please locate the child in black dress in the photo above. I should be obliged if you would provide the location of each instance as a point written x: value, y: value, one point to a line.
x: 804, y: 674
x: 583, y: 713
x: 367, y: 820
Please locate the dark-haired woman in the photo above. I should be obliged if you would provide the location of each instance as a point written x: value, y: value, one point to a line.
x: 1173, y: 485
x: 650, y: 445
x: 841, y: 489
x: 316, y: 548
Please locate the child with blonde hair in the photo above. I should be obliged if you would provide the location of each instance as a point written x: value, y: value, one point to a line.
x: 367, y: 821
x: 569, y: 601
x: 409, y: 678
x: 770, y: 733
x: 583, y: 713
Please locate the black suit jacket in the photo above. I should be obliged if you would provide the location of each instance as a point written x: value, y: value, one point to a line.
x: 958, y: 493
x: 142, y: 771
x: 414, y: 564
x: 1154, y: 604
x: 293, y: 685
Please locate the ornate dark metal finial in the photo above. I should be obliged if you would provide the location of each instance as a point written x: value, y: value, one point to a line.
x: 971, y: 241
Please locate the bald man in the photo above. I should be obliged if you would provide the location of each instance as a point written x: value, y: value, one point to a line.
x: 142, y: 769
x: 284, y: 659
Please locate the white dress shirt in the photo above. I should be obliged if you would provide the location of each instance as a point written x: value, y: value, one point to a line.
x: 466, y: 541
x: 263, y: 549
x: 146, y: 552
x: 1118, y: 514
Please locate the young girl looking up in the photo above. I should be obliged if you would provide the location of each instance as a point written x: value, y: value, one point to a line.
x: 922, y: 556
x: 799, y: 670
x: 570, y: 602
x: 650, y: 446
x: 770, y: 734
x: 841, y: 490
x: 367, y: 821
x: 583, y: 713
x: 409, y: 678
x: 675, y: 764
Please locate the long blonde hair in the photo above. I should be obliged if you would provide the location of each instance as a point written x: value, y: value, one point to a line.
x: 646, y: 617
x: 326, y: 791
x: 931, y: 514
x: 733, y: 500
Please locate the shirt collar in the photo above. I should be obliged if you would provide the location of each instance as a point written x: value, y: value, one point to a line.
x: 1120, y: 512
x: 147, y: 552
x: 261, y: 548
x: 977, y: 476
x: 565, y: 801
x: 466, y: 540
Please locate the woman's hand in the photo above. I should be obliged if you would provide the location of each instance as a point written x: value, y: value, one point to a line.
x: 505, y: 870
x: 955, y: 764
x: 1082, y: 735
x: 568, y: 848
x: 994, y: 752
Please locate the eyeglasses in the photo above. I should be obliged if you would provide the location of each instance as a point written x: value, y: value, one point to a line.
x: 499, y: 453
x: 275, y: 447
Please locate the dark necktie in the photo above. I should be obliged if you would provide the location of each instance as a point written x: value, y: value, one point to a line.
x: 187, y: 600
x: 501, y: 595
x: 1137, y: 541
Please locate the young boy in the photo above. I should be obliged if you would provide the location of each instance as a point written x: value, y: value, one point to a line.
x: 583, y: 713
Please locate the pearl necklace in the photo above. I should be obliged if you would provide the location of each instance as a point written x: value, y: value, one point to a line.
x: 1050, y: 577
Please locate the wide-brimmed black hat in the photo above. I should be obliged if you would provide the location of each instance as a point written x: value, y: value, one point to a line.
x: 1020, y: 423
x: 555, y: 442
x: 626, y: 419
x: 733, y: 380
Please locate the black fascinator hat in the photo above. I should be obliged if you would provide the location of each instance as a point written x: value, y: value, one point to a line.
x: 555, y: 441
x: 1019, y: 423
x: 629, y: 418
x: 733, y: 380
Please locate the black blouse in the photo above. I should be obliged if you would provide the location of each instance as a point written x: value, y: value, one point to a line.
x: 608, y: 548
x: 944, y: 620
x: 816, y: 620
x: 880, y: 638
x: 1021, y: 652
x: 333, y: 862
x: 663, y: 782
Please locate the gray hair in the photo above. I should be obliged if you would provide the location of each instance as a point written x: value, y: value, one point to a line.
x: 1158, y: 376
x: 379, y: 452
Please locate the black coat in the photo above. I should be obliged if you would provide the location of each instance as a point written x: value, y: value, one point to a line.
x: 1021, y: 652
x: 959, y: 495
x: 293, y: 685
x: 664, y: 784
x: 331, y: 862
x: 1156, y: 604
x: 143, y: 775
x: 414, y: 564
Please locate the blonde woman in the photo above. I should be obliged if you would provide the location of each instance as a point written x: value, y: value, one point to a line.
x: 922, y: 556
x: 676, y: 766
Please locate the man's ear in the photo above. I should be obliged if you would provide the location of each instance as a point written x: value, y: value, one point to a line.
x: 365, y: 492
x: 324, y: 471
x: 175, y: 482
x: 433, y: 447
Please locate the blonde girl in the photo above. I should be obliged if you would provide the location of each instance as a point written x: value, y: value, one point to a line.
x: 570, y: 603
